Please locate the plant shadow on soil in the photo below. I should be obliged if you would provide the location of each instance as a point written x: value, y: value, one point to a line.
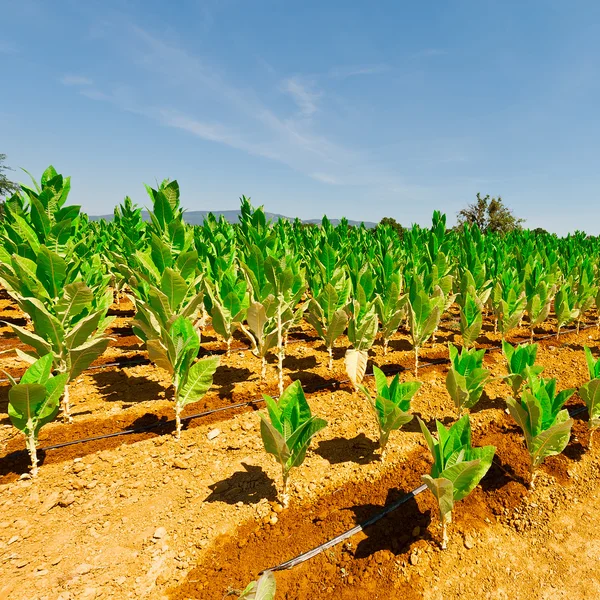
x: 248, y: 486
x: 226, y: 378
x: 360, y: 450
x: 394, y: 531
x: 130, y: 389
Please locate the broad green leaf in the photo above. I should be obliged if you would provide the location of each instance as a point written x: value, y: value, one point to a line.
x: 198, y: 381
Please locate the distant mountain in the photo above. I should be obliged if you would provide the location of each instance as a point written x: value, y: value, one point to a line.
x: 197, y: 217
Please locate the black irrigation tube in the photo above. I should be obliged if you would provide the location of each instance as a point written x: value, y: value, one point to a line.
x: 297, y: 560
x: 288, y: 564
x: 330, y: 384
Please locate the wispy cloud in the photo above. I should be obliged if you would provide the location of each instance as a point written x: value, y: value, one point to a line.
x: 427, y: 52
x: 8, y: 47
x: 302, y: 94
x: 191, y: 94
x: 325, y: 178
x: 76, y: 81
x: 344, y: 72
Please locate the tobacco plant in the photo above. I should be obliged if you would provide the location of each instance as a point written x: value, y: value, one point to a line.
x: 540, y: 295
x: 68, y: 317
x: 457, y: 467
x: 508, y: 301
x: 590, y: 392
x: 466, y: 378
x: 565, y: 307
x: 174, y: 349
x: 34, y: 401
x: 520, y: 364
x: 362, y: 328
x: 391, y: 404
x: 262, y: 589
x: 390, y: 301
x: 545, y: 424
x: 471, y: 319
x: 424, y: 314
x: 287, y: 430
x: 277, y: 285
x: 330, y: 288
x: 227, y: 302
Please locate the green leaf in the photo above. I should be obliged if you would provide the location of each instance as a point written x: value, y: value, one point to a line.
x: 39, y: 371
x: 198, y: 381
x: 39, y: 344
x: 263, y: 589
x: 273, y: 441
x: 83, y: 356
x: 51, y: 271
x: 158, y: 354
x: 75, y: 298
x: 24, y: 399
x: 553, y: 440
x: 174, y: 287
x: 590, y: 394
x: 443, y: 490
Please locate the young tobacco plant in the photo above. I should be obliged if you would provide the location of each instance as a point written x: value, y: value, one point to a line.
x: 520, y: 364
x: 545, y: 424
x: 229, y: 300
x: 34, y: 401
x: 277, y: 287
x: 539, y: 302
x: 391, y: 404
x: 362, y: 328
x: 287, y: 430
x: 508, y: 301
x: 590, y: 392
x: 174, y: 349
x: 262, y: 589
x: 466, y: 378
x: 457, y: 467
x: 330, y: 288
x: 390, y: 303
x: 424, y: 314
x: 471, y: 319
x: 565, y: 307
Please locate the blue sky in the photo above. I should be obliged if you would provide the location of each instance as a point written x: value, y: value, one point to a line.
x: 362, y: 109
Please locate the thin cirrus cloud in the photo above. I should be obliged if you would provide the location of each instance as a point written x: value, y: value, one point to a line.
x: 76, y: 81
x: 236, y: 116
x: 305, y: 98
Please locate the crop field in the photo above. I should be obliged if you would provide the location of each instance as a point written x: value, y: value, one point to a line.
x: 185, y: 409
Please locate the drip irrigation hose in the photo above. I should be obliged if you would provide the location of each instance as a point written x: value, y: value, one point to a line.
x: 293, y: 562
x: 330, y: 384
x: 344, y: 536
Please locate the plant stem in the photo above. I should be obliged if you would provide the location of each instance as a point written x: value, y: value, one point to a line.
x: 178, y: 408
x: 416, y: 360
x: 263, y: 368
x: 285, y: 497
x: 385, y: 346
x: 558, y: 332
x: 533, y: 476
x: 32, y: 448
x: 66, y: 406
x: 229, y: 346
x: 446, y: 520
x: 280, y: 350
x: 330, y: 362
